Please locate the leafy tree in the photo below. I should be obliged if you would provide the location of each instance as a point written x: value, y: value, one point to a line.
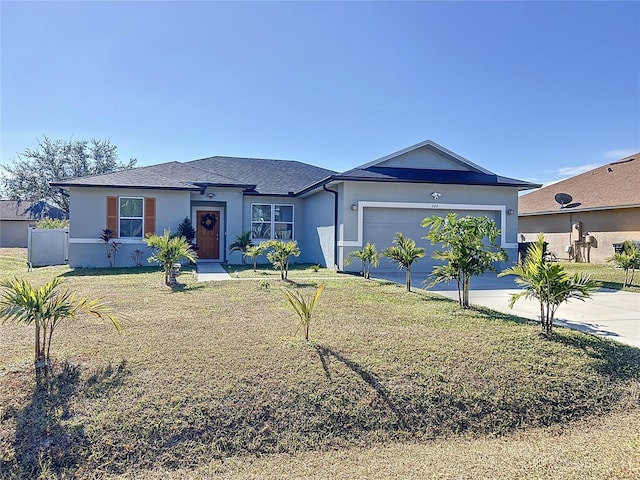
x: 186, y: 230
x: 168, y: 250
x: 304, y: 307
x: 254, y: 251
x: 56, y: 160
x: 469, y: 247
x: 280, y: 253
x: 369, y: 256
x: 240, y: 244
x: 45, y: 307
x: 628, y: 260
x: 547, y: 282
x: 404, y: 253
x: 52, y: 223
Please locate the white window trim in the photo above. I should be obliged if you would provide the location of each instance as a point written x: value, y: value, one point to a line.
x: 426, y: 206
x: 130, y: 218
x: 273, y: 219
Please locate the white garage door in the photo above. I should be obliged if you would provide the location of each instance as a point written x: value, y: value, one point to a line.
x: 381, y: 224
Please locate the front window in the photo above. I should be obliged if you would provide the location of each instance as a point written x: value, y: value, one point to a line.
x: 269, y: 221
x: 131, y: 217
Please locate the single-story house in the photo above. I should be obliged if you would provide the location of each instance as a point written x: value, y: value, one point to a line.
x: 593, y: 211
x: 329, y: 214
x: 16, y: 216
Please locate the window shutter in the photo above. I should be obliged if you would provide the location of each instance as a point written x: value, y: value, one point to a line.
x: 112, y: 215
x: 149, y: 216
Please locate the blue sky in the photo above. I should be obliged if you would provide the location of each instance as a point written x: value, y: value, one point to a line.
x: 532, y: 90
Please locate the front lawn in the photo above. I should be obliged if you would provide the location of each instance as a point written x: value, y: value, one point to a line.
x: 608, y: 275
x: 210, y: 380
x: 267, y: 272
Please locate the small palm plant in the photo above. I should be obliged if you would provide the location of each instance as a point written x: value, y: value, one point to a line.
x: 253, y: 252
x: 241, y: 244
x: 168, y: 250
x: 369, y: 257
x: 549, y: 283
x: 280, y: 254
x: 45, y: 307
x: 304, y: 307
x: 628, y: 260
x: 404, y: 253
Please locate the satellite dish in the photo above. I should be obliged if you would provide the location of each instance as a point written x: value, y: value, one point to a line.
x: 563, y: 199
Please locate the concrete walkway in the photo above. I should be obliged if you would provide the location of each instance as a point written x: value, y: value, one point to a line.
x: 613, y: 314
x: 210, y: 271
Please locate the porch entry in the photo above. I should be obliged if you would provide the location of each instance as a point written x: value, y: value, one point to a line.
x: 208, y: 234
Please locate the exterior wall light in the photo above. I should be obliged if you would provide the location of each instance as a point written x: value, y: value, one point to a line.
x: 511, y: 211
x: 436, y: 195
x: 354, y: 207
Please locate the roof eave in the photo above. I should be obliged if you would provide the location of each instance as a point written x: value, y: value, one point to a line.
x: 519, y: 185
x: 244, y: 186
x: 573, y: 210
x: 144, y: 187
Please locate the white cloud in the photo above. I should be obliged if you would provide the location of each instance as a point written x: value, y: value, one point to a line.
x: 618, y: 154
x: 577, y: 170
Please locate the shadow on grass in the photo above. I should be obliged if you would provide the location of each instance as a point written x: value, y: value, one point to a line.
x: 183, y: 287
x: 48, y: 443
x: 368, y: 377
x: 99, y: 272
x: 616, y: 360
x: 297, y: 284
x: 505, y: 317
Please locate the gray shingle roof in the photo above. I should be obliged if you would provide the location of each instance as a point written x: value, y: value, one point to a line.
x: 28, y: 210
x: 172, y: 175
x: 268, y: 176
x: 278, y: 177
x: 422, y: 175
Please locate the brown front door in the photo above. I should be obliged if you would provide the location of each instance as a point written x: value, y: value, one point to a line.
x: 208, y: 234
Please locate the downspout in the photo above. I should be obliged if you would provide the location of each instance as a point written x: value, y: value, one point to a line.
x: 335, y: 224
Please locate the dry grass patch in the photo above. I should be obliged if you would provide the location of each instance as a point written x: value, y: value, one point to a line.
x: 600, y: 449
x: 212, y: 372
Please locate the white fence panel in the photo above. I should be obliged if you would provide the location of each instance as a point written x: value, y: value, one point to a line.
x: 48, y: 246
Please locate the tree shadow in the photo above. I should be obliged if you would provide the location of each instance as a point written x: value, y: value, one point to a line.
x: 49, y: 440
x: 100, y: 272
x: 615, y: 359
x: 303, y: 284
x: 505, y: 317
x: 184, y: 287
x: 368, y: 377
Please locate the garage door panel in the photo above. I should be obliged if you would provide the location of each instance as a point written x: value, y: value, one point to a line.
x: 381, y: 224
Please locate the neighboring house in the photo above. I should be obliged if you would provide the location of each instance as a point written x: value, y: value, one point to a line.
x: 328, y: 213
x: 16, y: 216
x: 604, y: 209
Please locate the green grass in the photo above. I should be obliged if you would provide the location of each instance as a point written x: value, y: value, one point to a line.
x: 209, y: 381
x: 267, y: 272
x: 607, y: 275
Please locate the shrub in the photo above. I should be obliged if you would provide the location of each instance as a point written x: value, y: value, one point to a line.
x: 280, y: 254
x: 168, y: 250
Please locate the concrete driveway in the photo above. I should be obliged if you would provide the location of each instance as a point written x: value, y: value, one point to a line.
x: 612, y: 314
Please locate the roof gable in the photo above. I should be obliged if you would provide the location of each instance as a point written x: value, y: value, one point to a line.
x: 426, y: 155
x: 614, y: 185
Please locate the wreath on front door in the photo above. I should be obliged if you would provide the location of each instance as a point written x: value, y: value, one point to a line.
x: 208, y: 221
